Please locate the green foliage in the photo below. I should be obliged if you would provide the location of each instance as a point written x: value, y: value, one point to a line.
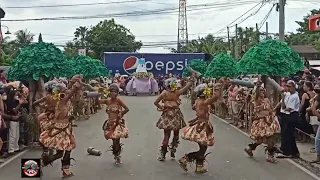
x: 90, y: 68
x: 270, y: 58
x: 223, y: 65
x: 208, y: 44
x: 106, y: 36
x: 40, y: 60
x: 304, y: 36
x: 197, y: 65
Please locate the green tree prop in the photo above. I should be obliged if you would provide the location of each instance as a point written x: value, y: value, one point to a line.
x: 223, y: 65
x: 270, y: 58
x: 90, y: 68
x: 38, y: 61
x: 196, y: 64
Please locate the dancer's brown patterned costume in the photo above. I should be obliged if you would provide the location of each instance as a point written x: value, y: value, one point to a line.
x: 200, y: 130
x: 59, y: 136
x: 171, y: 118
x: 114, y: 127
x: 264, y: 125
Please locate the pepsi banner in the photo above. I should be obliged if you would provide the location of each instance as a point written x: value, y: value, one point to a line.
x: 158, y: 64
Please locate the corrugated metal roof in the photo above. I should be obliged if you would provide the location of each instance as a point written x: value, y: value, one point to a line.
x: 304, y: 49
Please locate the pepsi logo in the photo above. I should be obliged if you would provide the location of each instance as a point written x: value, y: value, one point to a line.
x: 130, y: 64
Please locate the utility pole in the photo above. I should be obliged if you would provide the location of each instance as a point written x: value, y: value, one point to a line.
x: 281, y: 19
x: 236, y: 44
x: 257, y: 32
x: 267, y: 30
x: 229, y: 45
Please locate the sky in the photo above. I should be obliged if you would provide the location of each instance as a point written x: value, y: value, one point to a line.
x: 210, y: 17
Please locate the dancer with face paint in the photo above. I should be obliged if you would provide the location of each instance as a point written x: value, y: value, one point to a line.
x: 59, y: 136
x: 264, y: 125
x: 114, y: 127
x: 171, y: 118
x: 200, y: 129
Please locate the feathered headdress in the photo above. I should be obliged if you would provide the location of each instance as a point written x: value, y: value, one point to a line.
x: 50, y: 84
x: 114, y: 87
x: 172, y: 83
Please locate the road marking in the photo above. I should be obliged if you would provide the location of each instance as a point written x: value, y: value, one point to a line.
x: 288, y: 160
x: 13, y: 158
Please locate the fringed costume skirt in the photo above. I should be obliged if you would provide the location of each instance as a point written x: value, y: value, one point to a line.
x: 59, y: 137
x: 264, y: 128
x: 199, y: 132
x: 171, y: 119
x: 115, y: 129
x: 45, y: 120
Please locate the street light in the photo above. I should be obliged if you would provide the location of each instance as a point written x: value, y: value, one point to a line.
x: 8, y: 32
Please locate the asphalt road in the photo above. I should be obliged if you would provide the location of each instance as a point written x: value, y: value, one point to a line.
x: 227, y: 161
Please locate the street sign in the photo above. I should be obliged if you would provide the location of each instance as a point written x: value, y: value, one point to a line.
x: 314, y: 23
x: 81, y: 52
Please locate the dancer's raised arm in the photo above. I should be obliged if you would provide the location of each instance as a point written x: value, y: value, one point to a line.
x: 188, y: 86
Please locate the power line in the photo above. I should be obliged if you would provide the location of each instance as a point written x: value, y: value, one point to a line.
x: 85, y: 4
x: 72, y: 5
x: 260, y: 3
x: 266, y: 17
x: 252, y: 14
x: 134, y: 13
x: 147, y: 35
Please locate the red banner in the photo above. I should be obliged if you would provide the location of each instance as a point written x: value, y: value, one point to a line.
x: 314, y: 23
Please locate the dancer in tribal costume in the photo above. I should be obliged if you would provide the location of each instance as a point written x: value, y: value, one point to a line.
x: 114, y: 127
x: 171, y: 118
x: 48, y: 104
x: 264, y: 125
x: 78, y: 102
x: 200, y: 129
x: 59, y: 136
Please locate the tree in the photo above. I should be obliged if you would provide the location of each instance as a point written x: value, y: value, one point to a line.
x: 223, y: 65
x: 304, y: 24
x: 106, y: 36
x: 71, y: 49
x: 90, y: 68
x: 197, y: 65
x: 81, y: 35
x: 270, y: 58
x: 8, y: 52
x: 208, y: 44
x: 304, y: 36
x: 247, y: 37
x: 38, y: 61
x: 23, y: 38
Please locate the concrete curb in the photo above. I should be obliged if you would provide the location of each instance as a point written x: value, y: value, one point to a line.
x: 13, y: 158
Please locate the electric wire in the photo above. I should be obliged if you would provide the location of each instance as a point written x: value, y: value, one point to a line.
x: 266, y: 17
x: 93, y: 4
x: 73, y: 5
x: 251, y: 15
x: 221, y: 30
x: 133, y: 13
